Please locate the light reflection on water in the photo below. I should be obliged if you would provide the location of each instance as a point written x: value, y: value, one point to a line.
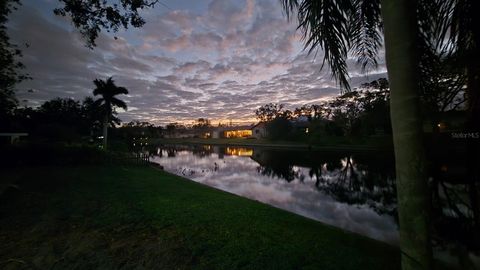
x: 335, y: 190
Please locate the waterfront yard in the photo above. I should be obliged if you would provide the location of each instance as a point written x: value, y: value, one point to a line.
x: 128, y: 217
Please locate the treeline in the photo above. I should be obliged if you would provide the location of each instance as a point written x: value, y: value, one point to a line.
x: 59, y: 119
x: 73, y: 121
x: 362, y: 112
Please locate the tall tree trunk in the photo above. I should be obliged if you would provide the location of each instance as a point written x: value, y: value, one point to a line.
x: 105, y: 131
x: 473, y: 128
x: 400, y: 26
x: 473, y: 121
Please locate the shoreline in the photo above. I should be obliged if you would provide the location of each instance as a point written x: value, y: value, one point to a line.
x: 269, y: 144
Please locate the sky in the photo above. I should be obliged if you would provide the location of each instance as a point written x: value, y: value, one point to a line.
x: 215, y: 59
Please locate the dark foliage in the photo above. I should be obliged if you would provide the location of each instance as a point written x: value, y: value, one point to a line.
x: 91, y: 16
x: 10, y: 67
x: 361, y: 112
x: 339, y: 28
x: 58, y: 120
x: 269, y: 112
x: 279, y: 128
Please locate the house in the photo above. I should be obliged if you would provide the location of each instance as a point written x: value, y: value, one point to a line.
x: 232, y: 132
x: 259, y: 130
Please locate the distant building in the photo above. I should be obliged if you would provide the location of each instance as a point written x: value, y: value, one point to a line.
x: 259, y: 130
x: 232, y: 132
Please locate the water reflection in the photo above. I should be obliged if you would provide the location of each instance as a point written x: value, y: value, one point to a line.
x: 239, y: 151
x: 456, y: 205
x: 355, y: 192
x: 334, y: 188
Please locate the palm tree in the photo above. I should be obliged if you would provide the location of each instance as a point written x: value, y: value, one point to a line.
x: 108, y: 90
x: 354, y: 27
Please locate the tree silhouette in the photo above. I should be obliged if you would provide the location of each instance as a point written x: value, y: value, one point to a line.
x: 269, y: 111
x: 108, y: 90
x: 91, y: 16
x: 10, y: 67
x: 340, y: 27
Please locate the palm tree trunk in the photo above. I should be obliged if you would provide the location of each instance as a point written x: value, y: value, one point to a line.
x: 105, y: 131
x: 473, y: 127
x: 400, y: 26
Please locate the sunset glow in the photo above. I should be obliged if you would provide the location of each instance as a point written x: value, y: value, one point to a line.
x: 215, y: 59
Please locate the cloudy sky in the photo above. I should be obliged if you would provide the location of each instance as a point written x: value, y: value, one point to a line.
x: 216, y: 59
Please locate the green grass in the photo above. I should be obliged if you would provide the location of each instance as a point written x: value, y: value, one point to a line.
x: 142, y: 218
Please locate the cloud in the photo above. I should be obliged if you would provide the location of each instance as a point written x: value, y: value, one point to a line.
x: 222, y: 60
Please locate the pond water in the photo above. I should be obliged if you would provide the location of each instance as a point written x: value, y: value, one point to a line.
x: 351, y: 191
x: 355, y: 192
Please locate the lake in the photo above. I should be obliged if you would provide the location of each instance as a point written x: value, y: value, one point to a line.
x: 355, y: 192
x: 352, y: 191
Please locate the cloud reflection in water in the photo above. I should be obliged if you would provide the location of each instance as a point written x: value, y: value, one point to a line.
x: 302, y: 193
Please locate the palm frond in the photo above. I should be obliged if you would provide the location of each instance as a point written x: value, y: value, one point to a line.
x: 99, y: 87
x: 119, y: 103
x: 119, y: 90
x: 463, y: 26
x: 333, y: 27
x: 108, y: 90
x: 98, y: 102
x: 289, y: 6
x: 434, y: 20
x: 365, y: 31
x: 444, y: 38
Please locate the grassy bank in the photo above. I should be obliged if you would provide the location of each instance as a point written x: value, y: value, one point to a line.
x: 136, y: 217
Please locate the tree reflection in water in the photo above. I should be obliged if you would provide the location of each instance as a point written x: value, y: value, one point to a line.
x: 455, y: 204
x: 359, y: 180
x: 338, y: 176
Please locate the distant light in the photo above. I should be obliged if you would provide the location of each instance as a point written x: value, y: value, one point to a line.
x: 439, y: 125
x: 100, y: 137
x: 306, y: 130
x: 133, y: 144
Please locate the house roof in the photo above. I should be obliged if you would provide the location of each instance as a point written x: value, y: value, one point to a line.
x: 259, y: 124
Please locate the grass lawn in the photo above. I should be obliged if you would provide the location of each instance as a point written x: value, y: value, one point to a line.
x: 142, y: 218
